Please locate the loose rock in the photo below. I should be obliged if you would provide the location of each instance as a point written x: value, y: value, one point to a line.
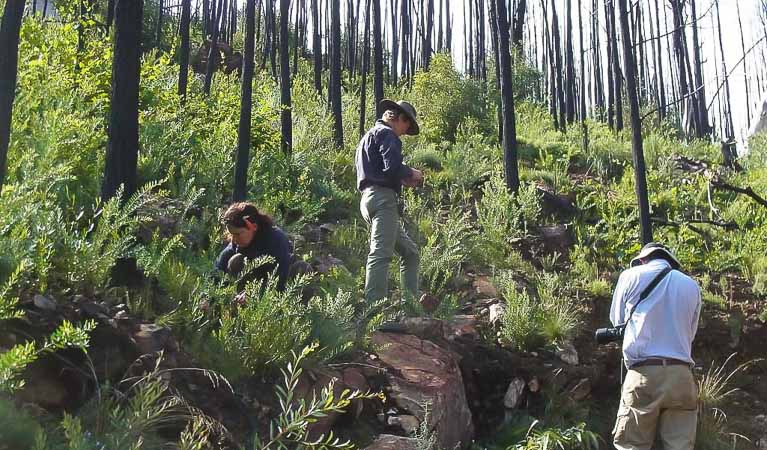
x: 390, y: 442
x: 44, y: 303
x: 581, y: 390
x: 567, y: 353
x: 514, y: 392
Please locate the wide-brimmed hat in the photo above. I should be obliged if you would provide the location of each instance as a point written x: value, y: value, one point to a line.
x: 651, y: 248
x: 404, y: 107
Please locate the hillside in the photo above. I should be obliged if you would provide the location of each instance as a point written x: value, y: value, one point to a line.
x: 117, y: 333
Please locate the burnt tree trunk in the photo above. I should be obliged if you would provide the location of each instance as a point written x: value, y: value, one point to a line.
x: 629, y: 62
x: 557, y: 49
x: 519, y: 24
x: 365, y: 68
x: 317, y: 46
x: 240, y: 191
x: 183, y: 75
x: 110, y: 11
x: 286, y: 118
x: 122, y: 144
x: 729, y: 128
x: 9, y: 61
x: 596, y: 48
x: 158, y: 34
x: 569, y: 65
x: 335, y: 72
x: 745, y: 69
x: 378, y: 75
x: 507, y: 100
x: 394, y: 43
x: 610, y: 71
x: 617, y: 76
x: 494, y: 37
x: 700, y: 90
x: 213, y: 54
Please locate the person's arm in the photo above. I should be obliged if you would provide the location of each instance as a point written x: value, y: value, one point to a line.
x: 223, y: 258
x: 696, y: 315
x: 391, y: 153
x: 618, y: 306
x: 283, y: 258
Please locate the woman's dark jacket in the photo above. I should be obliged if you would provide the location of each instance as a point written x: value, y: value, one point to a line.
x: 266, y: 242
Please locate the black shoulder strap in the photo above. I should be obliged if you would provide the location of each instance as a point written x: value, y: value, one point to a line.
x: 649, y: 289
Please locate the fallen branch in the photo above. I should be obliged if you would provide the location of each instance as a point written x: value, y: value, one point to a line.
x: 718, y: 183
x: 673, y: 224
x: 702, y: 167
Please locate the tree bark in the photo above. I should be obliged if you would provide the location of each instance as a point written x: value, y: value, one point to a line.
x: 729, y: 128
x: 557, y: 49
x: 629, y: 62
x: 365, y: 68
x: 317, y: 47
x: 700, y: 96
x: 158, y: 35
x: 745, y: 69
x: 9, y: 61
x: 394, y: 43
x: 617, y: 76
x: 507, y: 100
x: 286, y: 118
x: 378, y: 75
x: 519, y: 24
x: 335, y: 73
x: 240, y: 191
x: 183, y: 75
x: 569, y: 64
x: 110, y: 11
x: 213, y: 54
x: 496, y: 56
x: 122, y: 144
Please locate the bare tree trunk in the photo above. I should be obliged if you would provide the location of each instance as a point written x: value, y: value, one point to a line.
x: 378, y: 76
x: 212, y: 54
x: 629, y: 62
x: 507, y: 100
x: 660, y: 82
x: 9, y: 61
x: 557, y: 49
x: 405, y: 19
x: 700, y: 96
x: 183, y: 75
x: 519, y: 24
x: 335, y: 73
x: 729, y: 128
x: 448, y: 27
x: 394, y: 42
x: 472, y: 72
x: 122, y: 143
x: 617, y: 76
x: 745, y: 68
x: 317, y: 46
x: 599, y: 93
x: 158, y: 35
x: 240, y: 191
x: 365, y: 68
x: 110, y: 11
x: 569, y: 64
x: 496, y: 55
x: 286, y: 105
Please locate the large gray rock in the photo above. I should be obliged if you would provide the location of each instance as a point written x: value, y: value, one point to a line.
x: 567, y: 353
x: 422, y: 373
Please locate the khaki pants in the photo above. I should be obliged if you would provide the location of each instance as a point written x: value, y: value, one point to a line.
x: 387, y: 235
x: 657, y: 398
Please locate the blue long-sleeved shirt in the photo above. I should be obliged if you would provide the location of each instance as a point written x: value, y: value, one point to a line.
x: 272, y: 242
x: 378, y: 159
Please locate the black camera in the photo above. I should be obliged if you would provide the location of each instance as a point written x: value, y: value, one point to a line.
x: 607, y: 335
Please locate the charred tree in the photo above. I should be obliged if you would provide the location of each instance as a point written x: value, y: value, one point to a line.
x: 519, y: 24
x: 183, y: 75
x: 629, y: 62
x: 239, y: 193
x: 365, y: 68
x: 317, y: 46
x: 598, y: 85
x: 9, y: 61
x: 557, y: 49
x: 286, y: 118
x: 394, y: 43
x: 213, y: 54
x: 378, y: 75
x: 745, y: 69
x: 569, y: 64
x: 122, y: 143
x: 496, y: 56
x: 616, y: 67
x: 335, y: 72
x: 703, y: 128
x: 507, y: 100
x: 405, y: 20
x: 610, y: 71
x: 729, y: 128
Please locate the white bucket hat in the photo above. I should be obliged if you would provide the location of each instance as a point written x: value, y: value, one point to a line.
x: 651, y: 248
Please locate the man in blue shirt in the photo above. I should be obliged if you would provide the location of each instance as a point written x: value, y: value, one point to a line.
x: 380, y: 177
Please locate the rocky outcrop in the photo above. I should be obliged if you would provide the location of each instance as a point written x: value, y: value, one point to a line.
x: 423, y: 376
x: 390, y: 442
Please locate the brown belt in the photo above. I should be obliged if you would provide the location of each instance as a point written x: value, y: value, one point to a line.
x: 660, y: 362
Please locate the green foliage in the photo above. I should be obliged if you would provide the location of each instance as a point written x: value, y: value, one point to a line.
x: 504, y: 218
x: 447, y: 249
x: 13, y: 361
x: 289, y: 429
x: 445, y: 99
x: 574, y: 438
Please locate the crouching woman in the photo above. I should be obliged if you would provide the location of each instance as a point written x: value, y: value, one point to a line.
x: 252, y: 234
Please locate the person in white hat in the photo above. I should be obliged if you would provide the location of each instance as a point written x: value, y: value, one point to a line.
x: 659, y: 394
x: 380, y: 177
